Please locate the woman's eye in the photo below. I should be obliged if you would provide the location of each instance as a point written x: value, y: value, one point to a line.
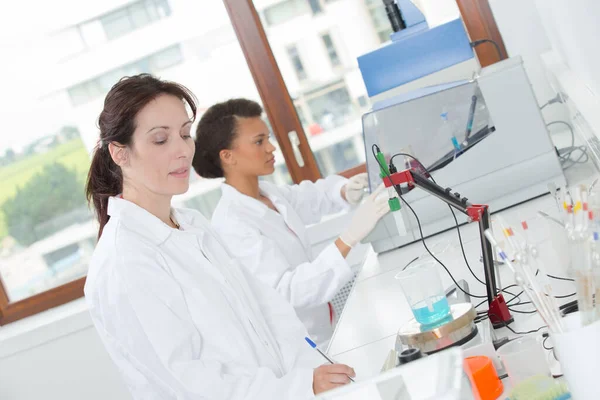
x: 259, y: 142
x: 186, y: 136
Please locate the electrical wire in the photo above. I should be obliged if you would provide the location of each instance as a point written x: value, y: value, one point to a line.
x: 523, y: 312
x: 457, y: 227
x: 481, y: 41
x: 560, y: 278
x: 559, y: 98
x: 565, y: 153
x: 512, y: 330
x: 384, y: 169
x: 566, y: 296
x: 462, y: 247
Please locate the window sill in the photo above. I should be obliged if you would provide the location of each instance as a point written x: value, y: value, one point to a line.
x: 44, y: 327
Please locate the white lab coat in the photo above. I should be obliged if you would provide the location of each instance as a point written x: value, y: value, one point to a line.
x: 182, y: 320
x: 274, y: 245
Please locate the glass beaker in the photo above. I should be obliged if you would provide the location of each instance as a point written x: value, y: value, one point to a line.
x: 423, y: 289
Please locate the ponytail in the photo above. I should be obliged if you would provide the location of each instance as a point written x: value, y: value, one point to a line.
x: 104, y: 180
x: 216, y: 131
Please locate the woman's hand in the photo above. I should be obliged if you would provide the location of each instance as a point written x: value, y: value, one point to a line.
x: 331, y: 376
x: 354, y: 190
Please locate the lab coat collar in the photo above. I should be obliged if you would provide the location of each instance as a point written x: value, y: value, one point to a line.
x: 251, y: 204
x: 141, y: 221
x: 258, y: 209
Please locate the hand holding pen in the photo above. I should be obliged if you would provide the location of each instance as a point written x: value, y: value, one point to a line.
x: 328, y: 377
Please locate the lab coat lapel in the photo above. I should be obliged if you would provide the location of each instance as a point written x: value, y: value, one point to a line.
x: 236, y: 282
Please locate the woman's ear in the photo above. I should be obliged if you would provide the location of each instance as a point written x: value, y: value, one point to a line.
x: 227, y: 157
x: 119, y: 153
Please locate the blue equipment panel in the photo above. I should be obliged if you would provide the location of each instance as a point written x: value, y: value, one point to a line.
x: 414, y: 56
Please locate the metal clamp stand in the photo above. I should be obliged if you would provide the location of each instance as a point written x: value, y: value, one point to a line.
x: 498, y: 311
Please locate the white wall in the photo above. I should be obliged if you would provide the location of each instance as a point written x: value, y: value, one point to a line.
x: 523, y: 34
x: 57, y: 355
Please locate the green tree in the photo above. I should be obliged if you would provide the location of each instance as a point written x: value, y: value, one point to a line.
x: 49, y: 194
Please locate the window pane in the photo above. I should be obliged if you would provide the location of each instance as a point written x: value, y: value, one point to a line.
x: 134, y: 16
x: 117, y: 23
x: 139, y: 14
x: 315, y: 6
x: 47, y: 233
x: 296, y: 62
x: 99, y: 86
x: 331, y: 52
x: 165, y: 58
x: 285, y: 11
x: 317, y: 58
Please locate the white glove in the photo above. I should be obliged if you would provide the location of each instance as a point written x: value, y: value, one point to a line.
x: 354, y: 189
x: 366, y: 217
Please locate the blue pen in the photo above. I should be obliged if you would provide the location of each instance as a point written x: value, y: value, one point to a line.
x: 314, y: 346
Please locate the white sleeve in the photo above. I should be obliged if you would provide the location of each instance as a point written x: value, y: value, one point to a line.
x: 309, y: 284
x: 163, y: 320
x: 312, y: 201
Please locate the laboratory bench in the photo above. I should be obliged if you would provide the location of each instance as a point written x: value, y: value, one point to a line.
x: 376, y: 308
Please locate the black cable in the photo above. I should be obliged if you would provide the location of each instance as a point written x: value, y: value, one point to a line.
x: 521, y: 304
x: 523, y: 312
x: 560, y: 278
x: 481, y: 303
x: 383, y: 168
x: 481, y: 41
x: 457, y: 230
x: 410, y: 262
x: 504, y: 290
x: 462, y: 247
x: 517, y: 296
x: 515, y: 332
x: 566, y: 296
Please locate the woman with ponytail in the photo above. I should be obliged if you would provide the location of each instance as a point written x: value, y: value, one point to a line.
x: 178, y: 316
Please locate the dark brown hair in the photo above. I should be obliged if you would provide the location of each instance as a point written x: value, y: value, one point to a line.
x: 215, y: 132
x: 117, y: 124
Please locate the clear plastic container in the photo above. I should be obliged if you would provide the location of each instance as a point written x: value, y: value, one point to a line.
x: 423, y: 289
x: 524, y: 358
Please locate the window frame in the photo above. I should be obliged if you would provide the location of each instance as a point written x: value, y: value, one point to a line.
x: 280, y: 109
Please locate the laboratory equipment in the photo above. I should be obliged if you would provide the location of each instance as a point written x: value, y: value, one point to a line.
x: 418, y: 56
x: 394, y: 201
x: 508, y: 158
x: 470, y: 120
x: 409, y: 355
x: 407, y: 180
x: 458, y: 328
x: 422, y: 286
x: 394, y: 15
x: 527, y: 281
x: 484, y: 378
x: 524, y: 358
x: 438, y: 377
x: 578, y: 350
